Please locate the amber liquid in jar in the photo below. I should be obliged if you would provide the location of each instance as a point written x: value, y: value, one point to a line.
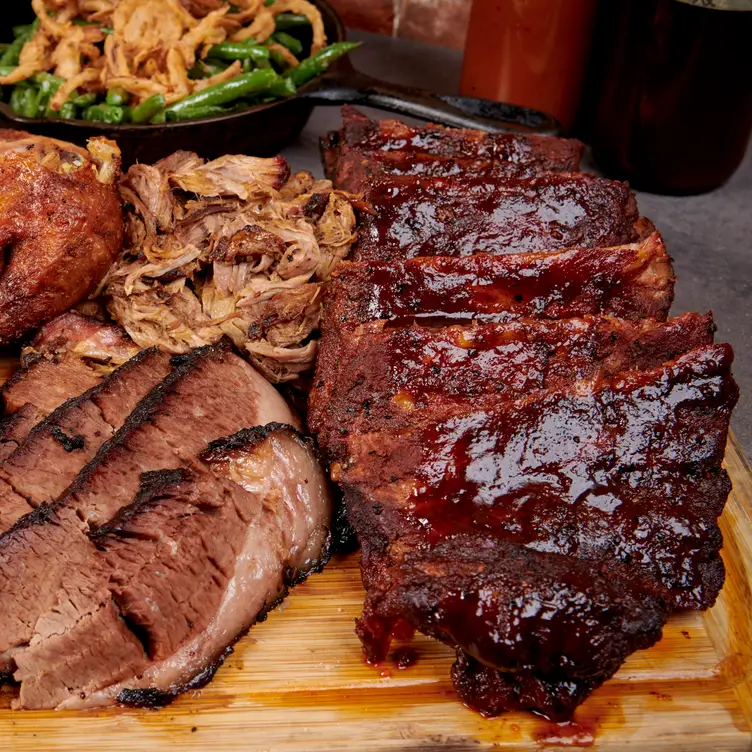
x: 674, y: 106
x: 529, y: 52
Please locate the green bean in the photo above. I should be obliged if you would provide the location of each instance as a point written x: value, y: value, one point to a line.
x: 160, y: 117
x: 104, y: 113
x: 196, y: 113
x: 23, y: 30
x: 117, y: 96
x: 47, y: 82
x: 30, y: 103
x: 81, y: 22
x: 268, y: 3
x: 288, y: 40
x: 225, y: 92
x: 290, y: 21
x: 11, y: 55
x: 68, y: 111
x: 16, y: 99
x: 316, y: 64
x: 285, y: 87
x: 84, y: 100
x: 239, y: 51
x: 279, y: 59
x: 6, y: 70
x: 148, y: 109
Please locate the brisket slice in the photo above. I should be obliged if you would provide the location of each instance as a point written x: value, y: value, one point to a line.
x: 55, y: 451
x: 375, y: 376
x: 180, y: 574
x: 70, y: 354
x: 623, y: 481
x: 461, y: 216
x: 210, y: 393
x: 538, y: 153
x: 35, y: 390
x: 632, y: 282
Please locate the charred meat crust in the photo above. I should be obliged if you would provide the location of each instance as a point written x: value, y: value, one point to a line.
x: 247, y: 438
x: 55, y: 417
x: 154, y: 485
x: 182, y: 364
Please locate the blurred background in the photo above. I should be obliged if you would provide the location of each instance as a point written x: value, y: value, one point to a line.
x: 661, y: 89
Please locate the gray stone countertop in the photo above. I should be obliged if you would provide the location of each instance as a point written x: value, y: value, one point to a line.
x: 709, y: 236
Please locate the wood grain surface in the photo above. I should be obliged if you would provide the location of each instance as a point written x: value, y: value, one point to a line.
x: 298, y: 683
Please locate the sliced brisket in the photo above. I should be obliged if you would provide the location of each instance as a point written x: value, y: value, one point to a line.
x: 55, y: 451
x: 210, y: 393
x: 70, y: 354
x: 632, y: 282
x: 180, y: 574
x: 377, y: 376
x: 460, y: 216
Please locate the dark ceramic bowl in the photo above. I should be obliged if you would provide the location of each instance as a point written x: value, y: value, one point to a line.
x: 265, y: 129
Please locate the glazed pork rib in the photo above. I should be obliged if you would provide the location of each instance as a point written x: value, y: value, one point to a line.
x: 632, y: 282
x: 376, y: 376
x: 469, y: 517
x: 179, y: 574
x: 509, y: 154
x: 460, y: 216
x: 209, y: 393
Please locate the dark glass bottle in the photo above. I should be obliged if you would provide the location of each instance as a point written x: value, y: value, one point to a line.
x: 673, y: 109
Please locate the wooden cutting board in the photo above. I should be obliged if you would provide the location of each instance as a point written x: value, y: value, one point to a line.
x: 298, y: 683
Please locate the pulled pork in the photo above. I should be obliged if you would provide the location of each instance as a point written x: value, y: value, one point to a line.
x: 228, y: 248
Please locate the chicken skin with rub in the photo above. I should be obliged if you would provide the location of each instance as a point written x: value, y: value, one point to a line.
x: 61, y: 226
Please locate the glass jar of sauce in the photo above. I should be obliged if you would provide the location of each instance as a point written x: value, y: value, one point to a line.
x: 529, y: 52
x: 673, y: 106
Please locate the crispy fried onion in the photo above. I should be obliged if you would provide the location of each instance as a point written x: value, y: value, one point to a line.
x: 231, y: 248
x: 153, y: 44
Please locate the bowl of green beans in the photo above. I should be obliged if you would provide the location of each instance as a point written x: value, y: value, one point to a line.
x: 258, y: 111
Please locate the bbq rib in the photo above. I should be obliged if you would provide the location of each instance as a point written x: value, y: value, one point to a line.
x: 378, y: 376
x: 530, y: 452
x: 367, y: 140
x: 460, y: 216
x: 633, y: 282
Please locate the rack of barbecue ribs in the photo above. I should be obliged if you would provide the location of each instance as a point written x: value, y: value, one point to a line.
x: 529, y: 448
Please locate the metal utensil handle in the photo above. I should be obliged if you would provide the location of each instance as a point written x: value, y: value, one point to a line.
x: 345, y: 85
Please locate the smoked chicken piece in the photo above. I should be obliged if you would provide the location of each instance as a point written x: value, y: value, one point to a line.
x: 460, y: 216
x: 160, y: 593
x: 61, y: 226
x: 512, y: 154
x: 600, y: 501
x: 209, y: 393
x: 70, y: 354
x: 632, y: 282
x: 377, y: 376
